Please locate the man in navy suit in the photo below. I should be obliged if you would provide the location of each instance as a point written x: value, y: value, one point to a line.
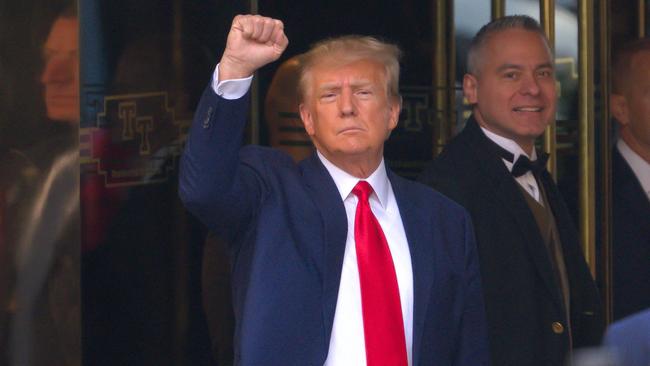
x: 629, y: 339
x: 335, y: 260
x: 540, y: 299
x: 631, y: 179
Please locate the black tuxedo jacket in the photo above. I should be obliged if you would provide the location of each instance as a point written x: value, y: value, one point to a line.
x: 631, y: 241
x: 523, y: 301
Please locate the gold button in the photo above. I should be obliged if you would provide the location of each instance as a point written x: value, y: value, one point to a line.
x: 558, y: 328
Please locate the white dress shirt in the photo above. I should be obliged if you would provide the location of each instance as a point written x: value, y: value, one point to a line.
x: 526, y: 181
x: 347, y: 344
x: 640, y: 167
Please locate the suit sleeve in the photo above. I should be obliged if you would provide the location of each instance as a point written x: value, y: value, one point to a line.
x: 473, y: 343
x: 214, y: 184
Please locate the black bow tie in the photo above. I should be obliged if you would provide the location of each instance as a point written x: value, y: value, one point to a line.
x: 523, y: 165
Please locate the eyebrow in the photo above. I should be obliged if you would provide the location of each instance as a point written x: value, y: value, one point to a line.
x: 353, y: 84
x: 519, y: 67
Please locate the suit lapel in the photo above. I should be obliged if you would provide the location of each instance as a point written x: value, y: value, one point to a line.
x: 327, y: 198
x: 498, y: 181
x: 422, y: 256
x: 626, y: 186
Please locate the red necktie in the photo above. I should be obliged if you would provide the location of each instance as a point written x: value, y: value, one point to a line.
x: 383, y: 326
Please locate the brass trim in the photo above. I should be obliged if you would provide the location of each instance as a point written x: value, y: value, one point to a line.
x: 255, y: 94
x: 443, y: 73
x: 605, y: 161
x: 586, y: 131
x: 640, y: 25
x: 498, y: 8
x: 547, y: 18
x: 451, y: 72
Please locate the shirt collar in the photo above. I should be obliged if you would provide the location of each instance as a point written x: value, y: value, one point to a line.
x: 640, y: 167
x: 510, y: 146
x: 345, y: 182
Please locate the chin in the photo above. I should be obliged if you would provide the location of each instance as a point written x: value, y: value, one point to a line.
x: 63, y: 117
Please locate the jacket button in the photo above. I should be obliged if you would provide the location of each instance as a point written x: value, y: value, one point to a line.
x: 558, y: 328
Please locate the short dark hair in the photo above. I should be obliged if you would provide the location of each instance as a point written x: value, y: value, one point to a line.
x: 498, y: 25
x: 622, y: 62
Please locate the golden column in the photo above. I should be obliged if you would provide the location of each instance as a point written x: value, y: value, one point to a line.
x: 641, y: 19
x: 586, y: 117
x: 444, y: 73
x: 605, y: 159
x: 547, y: 17
x: 498, y: 8
x: 255, y: 93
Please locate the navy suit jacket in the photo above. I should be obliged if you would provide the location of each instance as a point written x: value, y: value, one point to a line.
x: 631, y: 242
x: 287, y: 227
x: 629, y: 339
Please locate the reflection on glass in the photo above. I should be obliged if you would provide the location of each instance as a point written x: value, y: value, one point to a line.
x: 39, y: 216
x: 60, y: 76
x: 630, y: 107
x: 467, y: 24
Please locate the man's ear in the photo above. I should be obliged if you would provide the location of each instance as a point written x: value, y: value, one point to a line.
x: 470, y: 88
x: 307, y: 121
x: 619, y: 108
x: 395, y: 109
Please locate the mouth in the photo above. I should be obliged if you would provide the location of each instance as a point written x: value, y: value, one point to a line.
x: 61, y: 98
x: 528, y: 109
x: 350, y: 130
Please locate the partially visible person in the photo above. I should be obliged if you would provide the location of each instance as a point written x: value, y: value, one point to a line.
x: 629, y: 339
x: 18, y: 176
x: 630, y: 106
x: 44, y: 317
x: 335, y: 260
x: 540, y: 299
x: 60, y: 77
x: 282, y: 115
x: 135, y: 233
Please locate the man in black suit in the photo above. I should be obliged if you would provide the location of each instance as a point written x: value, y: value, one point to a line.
x: 631, y: 179
x: 540, y: 298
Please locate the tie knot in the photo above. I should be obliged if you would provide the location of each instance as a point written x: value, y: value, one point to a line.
x: 362, y: 190
x: 524, y: 165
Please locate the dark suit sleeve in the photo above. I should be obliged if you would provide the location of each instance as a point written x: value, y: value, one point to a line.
x: 214, y: 184
x: 473, y: 342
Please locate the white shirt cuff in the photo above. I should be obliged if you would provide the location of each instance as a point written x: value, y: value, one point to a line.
x: 230, y: 89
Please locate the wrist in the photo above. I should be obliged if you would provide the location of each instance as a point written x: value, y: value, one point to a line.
x: 229, y: 70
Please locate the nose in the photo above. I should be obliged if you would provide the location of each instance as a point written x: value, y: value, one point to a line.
x: 58, y: 69
x: 529, y: 85
x: 347, y: 105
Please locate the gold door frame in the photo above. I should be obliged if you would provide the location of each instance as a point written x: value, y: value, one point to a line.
x: 605, y: 160
x: 444, y: 72
x: 547, y: 19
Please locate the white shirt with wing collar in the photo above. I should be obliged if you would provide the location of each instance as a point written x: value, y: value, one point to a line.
x: 526, y: 181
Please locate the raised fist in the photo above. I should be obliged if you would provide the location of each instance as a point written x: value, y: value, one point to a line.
x: 253, y: 42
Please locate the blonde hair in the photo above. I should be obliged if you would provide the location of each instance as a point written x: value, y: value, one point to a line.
x: 347, y: 49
